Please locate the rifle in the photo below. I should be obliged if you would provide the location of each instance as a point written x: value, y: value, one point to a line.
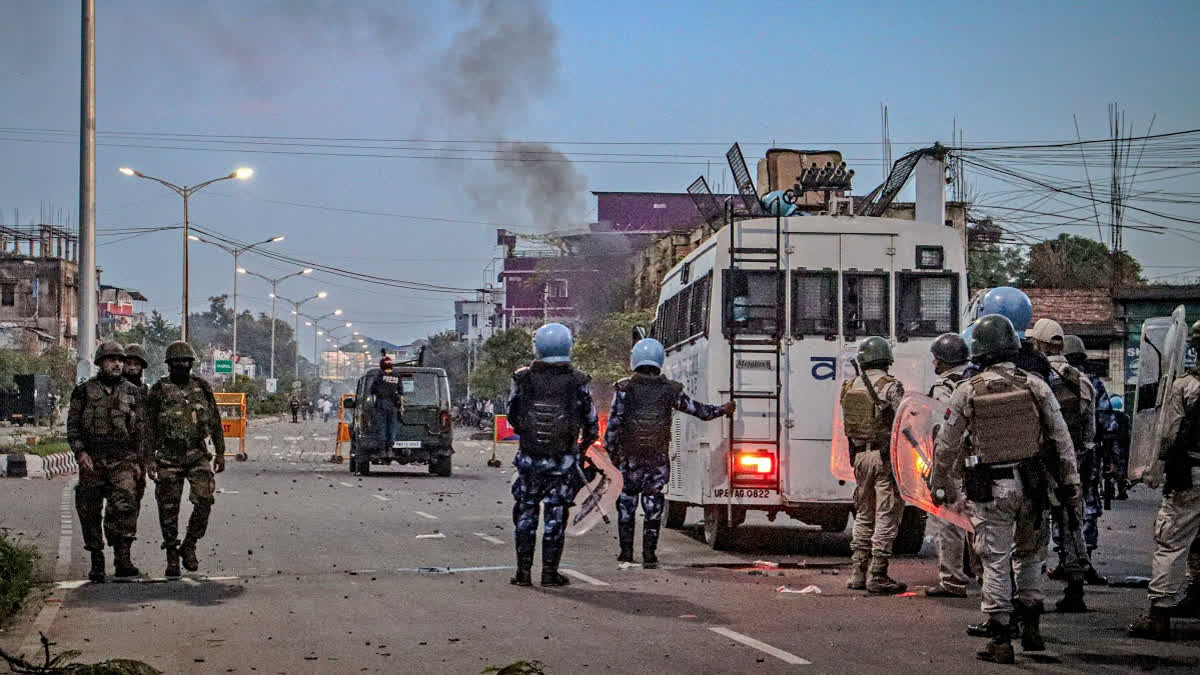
x: 880, y: 406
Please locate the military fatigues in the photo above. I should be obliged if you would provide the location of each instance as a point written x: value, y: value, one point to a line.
x: 877, y: 503
x: 106, y: 421
x: 1010, y: 538
x: 551, y: 410
x: 949, y: 540
x: 1076, y: 397
x: 638, y: 438
x: 1178, y: 520
x: 180, y: 418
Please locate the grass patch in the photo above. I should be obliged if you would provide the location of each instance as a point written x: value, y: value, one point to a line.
x: 16, y: 573
x: 46, y: 445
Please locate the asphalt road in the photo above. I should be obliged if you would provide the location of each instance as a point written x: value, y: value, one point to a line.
x: 309, y: 569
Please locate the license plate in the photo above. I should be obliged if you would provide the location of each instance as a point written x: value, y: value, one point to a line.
x: 406, y: 444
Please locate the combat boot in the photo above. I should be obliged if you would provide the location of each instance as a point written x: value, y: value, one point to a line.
x: 878, y: 581
x: 187, y: 552
x: 96, y: 574
x: 1072, y: 600
x: 1031, y: 632
x: 123, y: 565
x: 523, y: 577
x: 626, y: 554
x: 1155, y: 625
x: 650, y: 544
x: 172, y: 561
x: 858, y: 570
x: 649, y: 560
x: 999, y: 649
x: 1094, y: 578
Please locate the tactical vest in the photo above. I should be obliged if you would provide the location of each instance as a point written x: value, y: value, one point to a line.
x: 1005, y: 425
x: 1191, y: 424
x: 110, y: 420
x: 1067, y: 389
x: 550, y: 419
x: 863, y: 420
x: 184, y: 417
x: 949, y: 381
x: 649, y: 404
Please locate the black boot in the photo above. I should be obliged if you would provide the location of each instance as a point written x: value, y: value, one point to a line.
x: 626, y: 554
x: 172, y: 560
x: 1156, y: 625
x: 1031, y: 632
x: 650, y: 530
x: 121, y: 561
x: 550, y: 574
x: 625, y: 538
x: 1072, y: 600
x: 984, y: 628
x: 999, y: 648
x: 1092, y: 577
x: 96, y: 574
x: 523, y: 577
x: 187, y: 551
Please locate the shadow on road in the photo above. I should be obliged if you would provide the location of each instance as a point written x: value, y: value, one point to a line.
x: 125, y: 597
x: 781, y: 540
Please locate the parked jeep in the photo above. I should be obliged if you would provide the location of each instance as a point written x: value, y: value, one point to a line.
x: 422, y: 425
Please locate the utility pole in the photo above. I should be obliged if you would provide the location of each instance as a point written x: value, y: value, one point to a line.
x: 85, y: 332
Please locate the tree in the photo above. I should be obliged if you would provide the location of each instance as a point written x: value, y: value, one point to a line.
x: 448, y: 352
x: 602, y: 350
x: 991, y: 265
x: 1079, y: 262
x: 499, y: 356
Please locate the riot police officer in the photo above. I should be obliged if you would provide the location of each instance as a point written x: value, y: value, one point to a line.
x: 869, y: 403
x: 388, y: 399
x: 950, y: 358
x: 1091, y: 462
x: 1014, y: 305
x: 182, y: 413
x: 105, y: 426
x: 1076, y: 400
x: 1008, y: 415
x: 551, y: 409
x: 637, y: 438
x: 1117, y: 460
x: 1178, y: 521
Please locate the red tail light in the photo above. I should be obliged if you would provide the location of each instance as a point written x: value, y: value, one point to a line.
x: 445, y: 421
x: 754, y: 468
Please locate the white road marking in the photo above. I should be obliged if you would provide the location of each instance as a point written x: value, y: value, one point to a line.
x: 68, y: 585
x: 262, y: 438
x: 293, y: 438
x: 439, y: 535
x: 488, y: 537
x: 344, y: 484
x: 430, y: 516
x: 381, y: 498
x: 584, y: 578
x: 220, y: 578
x: 763, y: 647
x: 227, y: 492
x: 189, y: 581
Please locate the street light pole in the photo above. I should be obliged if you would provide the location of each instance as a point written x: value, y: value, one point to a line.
x: 315, y: 322
x: 235, y: 251
x: 186, y: 192
x: 275, y: 285
x: 296, y: 329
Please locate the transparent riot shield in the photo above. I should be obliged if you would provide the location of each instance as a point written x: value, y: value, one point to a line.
x: 1161, y: 353
x: 839, y: 446
x: 596, y: 500
x: 912, y: 456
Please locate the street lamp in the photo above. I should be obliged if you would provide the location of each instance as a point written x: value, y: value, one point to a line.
x: 274, y: 286
x: 296, y: 304
x: 315, y: 322
x: 236, y: 251
x: 186, y: 192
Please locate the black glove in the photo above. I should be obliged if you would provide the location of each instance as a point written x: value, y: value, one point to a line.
x: 590, y: 471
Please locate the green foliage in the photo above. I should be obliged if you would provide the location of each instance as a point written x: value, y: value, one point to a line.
x: 16, y: 573
x: 45, y: 446
x: 448, y: 352
x: 55, y: 361
x: 602, y: 349
x: 1079, y: 262
x: 499, y: 356
x: 992, y: 265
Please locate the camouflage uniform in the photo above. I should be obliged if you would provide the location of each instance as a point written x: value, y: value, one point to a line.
x: 644, y: 474
x: 949, y: 540
x: 1010, y: 533
x: 551, y: 481
x: 106, y: 420
x: 877, y: 503
x: 1069, y: 537
x: 179, y: 419
x: 1178, y: 521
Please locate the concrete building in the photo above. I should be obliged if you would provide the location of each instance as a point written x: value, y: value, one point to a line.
x: 120, y: 309
x: 479, y: 318
x: 38, y: 287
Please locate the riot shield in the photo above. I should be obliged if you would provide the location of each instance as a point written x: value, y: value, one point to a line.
x: 912, y: 456
x: 598, y: 498
x: 839, y: 446
x: 1161, y: 353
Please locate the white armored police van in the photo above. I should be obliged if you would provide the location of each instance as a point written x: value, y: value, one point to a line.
x: 768, y: 312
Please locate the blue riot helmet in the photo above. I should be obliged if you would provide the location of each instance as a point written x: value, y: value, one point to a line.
x: 1118, y: 403
x: 647, y: 352
x: 552, y: 343
x: 966, y: 335
x: 1012, y: 304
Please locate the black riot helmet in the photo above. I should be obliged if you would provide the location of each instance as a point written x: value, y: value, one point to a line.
x: 994, y: 340
x: 950, y: 349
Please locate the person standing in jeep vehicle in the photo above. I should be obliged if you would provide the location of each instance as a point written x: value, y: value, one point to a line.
x: 181, y: 414
x: 105, y: 427
x: 389, y: 399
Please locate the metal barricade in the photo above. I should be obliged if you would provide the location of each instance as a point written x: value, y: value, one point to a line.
x: 232, y: 407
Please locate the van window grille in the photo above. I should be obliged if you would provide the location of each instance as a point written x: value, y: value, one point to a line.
x: 814, y: 303
x: 865, y: 303
x: 684, y: 315
x: 753, y: 302
x: 927, y: 304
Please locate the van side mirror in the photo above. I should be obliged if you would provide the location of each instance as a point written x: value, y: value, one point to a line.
x: 348, y: 404
x: 639, y: 333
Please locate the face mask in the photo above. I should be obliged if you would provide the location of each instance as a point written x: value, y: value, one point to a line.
x: 179, y: 371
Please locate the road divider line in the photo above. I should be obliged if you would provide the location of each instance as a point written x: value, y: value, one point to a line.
x: 262, y: 438
x: 381, y: 498
x: 439, y: 535
x: 584, y: 578
x: 786, y: 657
x: 488, y: 537
x: 345, y: 484
x: 430, y: 516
